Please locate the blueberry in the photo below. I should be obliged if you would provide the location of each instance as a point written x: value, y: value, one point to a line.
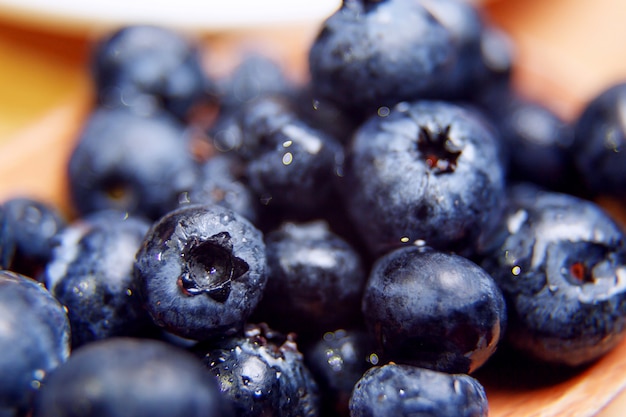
x: 315, y: 280
x: 125, y: 161
x: 91, y: 274
x: 221, y: 180
x: 35, y: 340
x: 262, y: 373
x: 255, y: 76
x: 561, y: 264
x: 600, y: 141
x: 201, y: 271
x: 428, y: 171
x: 290, y: 165
x: 402, y: 390
x: 130, y: 377
x: 34, y: 225
x: 536, y: 141
x: 337, y: 361
x: 370, y: 54
x: 147, y: 68
x: 434, y: 310
x: 466, y: 27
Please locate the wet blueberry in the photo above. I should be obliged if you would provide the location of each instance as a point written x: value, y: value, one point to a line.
x: 130, y: 377
x: 255, y: 76
x: 125, y: 161
x: 536, y: 141
x: 370, y: 54
x: 34, y: 340
x: 291, y: 166
x: 432, y: 309
x: 337, y: 361
x: 221, y: 181
x: 600, y: 141
x: 34, y: 225
x: 262, y: 373
x: 91, y: 274
x: 148, y: 67
x: 428, y: 171
x: 201, y: 271
x: 561, y: 264
x: 403, y: 391
x: 315, y: 280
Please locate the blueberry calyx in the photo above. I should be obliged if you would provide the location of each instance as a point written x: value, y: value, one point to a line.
x: 436, y: 149
x: 210, y: 266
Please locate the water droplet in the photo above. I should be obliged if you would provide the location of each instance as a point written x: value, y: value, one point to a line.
x: 373, y: 359
x: 129, y: 292
x: 287, y: 143
x: 383, y: 111
x: 401, y: 392
x: 278, y: 374
x: 404, y: 239
x: 245, y: 380
x: 258, y: 393
x: 553, y: 288
x: 516, y: 270
x: 287, y: 158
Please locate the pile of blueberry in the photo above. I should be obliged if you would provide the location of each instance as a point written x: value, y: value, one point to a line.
x: 359, y: 245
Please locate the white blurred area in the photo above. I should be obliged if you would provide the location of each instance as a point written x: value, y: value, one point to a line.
x: 193, y: 15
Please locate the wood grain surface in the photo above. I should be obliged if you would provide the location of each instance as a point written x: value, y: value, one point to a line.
x: 568, y: 51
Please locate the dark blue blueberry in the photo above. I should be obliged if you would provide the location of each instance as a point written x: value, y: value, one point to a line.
x: 370, y: 54
x: 34, y: 225
x: 466, y: 27
x: 255, y: 76
x: 125, y: 161
x: 91, y: 274
x: 600, y: 143
x: 406, y: 391
x: 147, y: 67
x: 337, y: 361
x: 34, y: 340
x: 561, y: 264
x: 315, y: 280
x: 435, y: 310
x: 535, y: 140
x: 290, y: 165
x: 262, y: 373
x: 428, y: 171
x: 7, y: 241
x: 132, y: 378
x: 221, y: 181
x: 201, y: 271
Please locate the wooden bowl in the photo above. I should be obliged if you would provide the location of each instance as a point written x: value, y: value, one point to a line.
x: 568, y: 51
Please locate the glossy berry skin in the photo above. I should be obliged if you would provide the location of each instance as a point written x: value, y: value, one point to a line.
x: 600, y: 141
x: 7, y: 241
x: 561, y: 264
x: 403, y: 390
x: 201, y: 271
x: 537, y: 142
x: 370, y: 54
x: 337, y: 361
x: 255, y: 76
x: 129, y: 162
x: 147, y: 68
x: 262, y: 373
x: 35, y: 340
x: 433, y: 309
x: 315, y: 280
x: 429, y: 171
x: 130, y: 377
x: 33, y: 225
x: 91, y: 274
x: 291, y: 166
x: 221, y: 181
